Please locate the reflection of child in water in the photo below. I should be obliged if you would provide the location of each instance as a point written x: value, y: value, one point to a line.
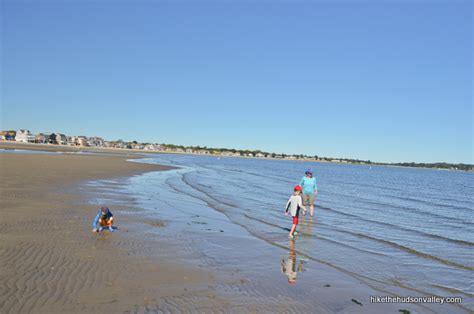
x: 288, y: 267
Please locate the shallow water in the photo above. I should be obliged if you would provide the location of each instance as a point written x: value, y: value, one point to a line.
x: 26, y: 151
x: 387, y: 226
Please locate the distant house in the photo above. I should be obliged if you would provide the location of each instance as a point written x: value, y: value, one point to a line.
x: 259, y: 155
x: 120, y: 145
x: 117, y: 144
x: 52, y: 139
x: 61, y: 139
x: 81, y: 141
x: 152, y: 147
x: 95, y: 141
x: 137, y: 146
x: 72, y: 140
x: 8, y: 135
x: 24, y: 136
x: 41, y: 138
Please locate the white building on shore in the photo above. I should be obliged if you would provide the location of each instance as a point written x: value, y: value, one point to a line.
x: 95, y: 141
x: 24, y: 136
x: 61, y: 139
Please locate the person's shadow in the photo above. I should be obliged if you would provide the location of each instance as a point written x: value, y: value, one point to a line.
x: 290, y: 267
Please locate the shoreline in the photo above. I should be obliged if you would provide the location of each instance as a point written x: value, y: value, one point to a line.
x: 122, y: 151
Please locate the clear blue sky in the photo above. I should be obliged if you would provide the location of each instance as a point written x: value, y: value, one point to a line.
x: 385, y: 81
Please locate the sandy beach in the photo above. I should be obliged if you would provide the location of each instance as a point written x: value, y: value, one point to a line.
x: 51, y: 262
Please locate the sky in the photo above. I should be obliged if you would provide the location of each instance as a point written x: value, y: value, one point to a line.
x: 387, y: 81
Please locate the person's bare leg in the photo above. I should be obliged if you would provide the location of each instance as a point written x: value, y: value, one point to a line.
x: 304, y: 204
x: 311, y: 210
x: 293, y: 229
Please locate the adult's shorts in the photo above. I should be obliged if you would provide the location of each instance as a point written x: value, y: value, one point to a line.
x: 295, y: 220
x: 308, y: 199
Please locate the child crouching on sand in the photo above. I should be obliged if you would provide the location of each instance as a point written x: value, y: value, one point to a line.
x: 294, y: 204
x: 105, y: 219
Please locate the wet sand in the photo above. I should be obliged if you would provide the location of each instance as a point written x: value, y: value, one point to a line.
x: 51, y: 262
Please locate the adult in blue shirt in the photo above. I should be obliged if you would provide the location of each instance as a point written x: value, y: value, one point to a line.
x: 310, y: 190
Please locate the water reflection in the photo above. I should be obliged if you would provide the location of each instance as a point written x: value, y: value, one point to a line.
x: 306, y: 228
x: 294, y: 265
x: 291, y: 267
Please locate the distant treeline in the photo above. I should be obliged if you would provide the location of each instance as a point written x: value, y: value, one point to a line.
x: 217, y: 151
x: 438, y: 165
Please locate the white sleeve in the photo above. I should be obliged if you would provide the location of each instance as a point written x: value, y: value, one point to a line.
x: 288, y: 205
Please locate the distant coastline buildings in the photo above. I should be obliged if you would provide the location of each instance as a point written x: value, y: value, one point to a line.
x: 25, y: 136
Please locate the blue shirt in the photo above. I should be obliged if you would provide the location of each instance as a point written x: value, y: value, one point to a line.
x: 309, y: 185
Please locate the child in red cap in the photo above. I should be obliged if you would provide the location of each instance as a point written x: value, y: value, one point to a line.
x: 294, y: 204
